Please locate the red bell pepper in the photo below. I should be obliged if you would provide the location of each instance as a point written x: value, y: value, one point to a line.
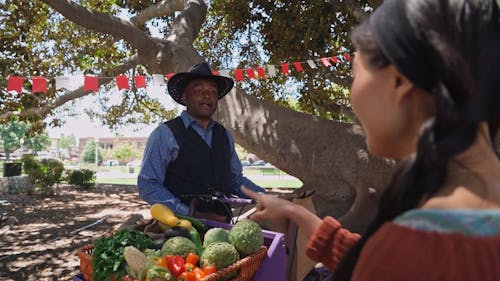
x: 176, y: 264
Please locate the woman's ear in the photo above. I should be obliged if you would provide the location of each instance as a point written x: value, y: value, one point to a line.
x: 402, y: 86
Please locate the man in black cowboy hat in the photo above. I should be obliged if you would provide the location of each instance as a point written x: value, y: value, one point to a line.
x: 193, y: 154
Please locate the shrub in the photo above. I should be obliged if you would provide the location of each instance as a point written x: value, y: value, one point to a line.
x: 44, y: 174
x: 83, y: 178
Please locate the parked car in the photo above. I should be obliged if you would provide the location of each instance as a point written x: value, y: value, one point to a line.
x: 259, y: 163
x: 245, y: 163
x: 134, y: 163
x: 111, y: 163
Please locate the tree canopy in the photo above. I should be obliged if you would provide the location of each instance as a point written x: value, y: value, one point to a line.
x: 92, y: 37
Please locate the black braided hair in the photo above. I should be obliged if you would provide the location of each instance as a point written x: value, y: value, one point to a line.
x: 463, y: 42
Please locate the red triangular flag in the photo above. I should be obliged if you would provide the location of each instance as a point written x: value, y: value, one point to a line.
x: 122, y: 82
x: 346, y: 56
x: 250, y: 73
x: 238, y: 74
x: 15, y: 83
x: 335, y: 59
x: 90, y: 83
x: 169, y: 75
x: 140, y: 81
x: 39, y: 84
x: 284, y: 68
x: 215, y: 72
x: 298, y: 66
x: 260, y: 72
x: 326, y: 62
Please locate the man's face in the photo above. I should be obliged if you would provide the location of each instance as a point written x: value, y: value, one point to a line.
x: 200, y: 97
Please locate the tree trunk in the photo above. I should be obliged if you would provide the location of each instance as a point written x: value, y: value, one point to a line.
x: 329, y: 157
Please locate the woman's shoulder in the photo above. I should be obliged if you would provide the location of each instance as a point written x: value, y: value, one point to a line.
x: 468, y: 222
x: 413, y: 248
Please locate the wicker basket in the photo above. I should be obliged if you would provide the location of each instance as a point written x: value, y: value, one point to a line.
x: 247, y: 266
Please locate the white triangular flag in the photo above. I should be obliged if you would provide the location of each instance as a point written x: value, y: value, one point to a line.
x: 69, y: 83
x: 271, y: 70
x: 158, y: 80
x: 224, y: 73
x: 311, y: 64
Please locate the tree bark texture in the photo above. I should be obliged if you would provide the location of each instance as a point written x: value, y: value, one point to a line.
x: 327, y: 156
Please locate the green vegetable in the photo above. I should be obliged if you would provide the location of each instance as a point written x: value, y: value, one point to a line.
x: 195, y: 237
x: 178, y: 246
x: 196, y: 223
x: 246, y: 236
x: 107, y: 255
x: 215, y: 235
x: 158, y: 273
x: 220, y: 254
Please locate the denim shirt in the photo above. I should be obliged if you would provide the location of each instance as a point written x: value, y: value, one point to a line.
x: 162, y: 149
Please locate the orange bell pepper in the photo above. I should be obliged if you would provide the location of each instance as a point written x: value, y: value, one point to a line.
x: 192, y: 258
x: 187, y: 276
x: 209, y: 269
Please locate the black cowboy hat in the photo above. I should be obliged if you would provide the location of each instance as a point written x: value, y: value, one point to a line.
x: 179, y: 81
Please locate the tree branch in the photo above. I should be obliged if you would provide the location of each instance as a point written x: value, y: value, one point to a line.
x: 46, y: 109
x: 97, y: 21
x: 164, y: 8
x: 187, y: 24
x: 353, y: 8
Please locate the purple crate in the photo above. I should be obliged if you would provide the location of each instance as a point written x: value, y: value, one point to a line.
x: 273, y: 266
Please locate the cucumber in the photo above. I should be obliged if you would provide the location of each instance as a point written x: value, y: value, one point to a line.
x: 198, y: 224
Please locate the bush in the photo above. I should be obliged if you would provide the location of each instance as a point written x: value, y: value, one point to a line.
x: 83, y: 178
x: 44, y: 174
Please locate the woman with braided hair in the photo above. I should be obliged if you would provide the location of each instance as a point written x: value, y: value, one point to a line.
x: 426, y: 89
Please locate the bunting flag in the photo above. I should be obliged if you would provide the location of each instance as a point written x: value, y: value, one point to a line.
x: 91, y: 83
x: 325, y: 62
x: 284, y: 68
x: 169, y: 75
x: 122, y: 82
x: 298, y: 66
x: 158, y: 80
x: 15, y: 83
x: 311, y: 64
x: 140, y: 81
x: 250, y: 73
x: 261, y: 73
x: 335, y: 59
x: 39, y: 84
x: 238, y: 74
x: 224, y: 73
x: 271, y: 70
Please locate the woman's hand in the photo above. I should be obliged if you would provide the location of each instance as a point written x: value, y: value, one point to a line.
x: 268, y: 207
x: 276, y: 209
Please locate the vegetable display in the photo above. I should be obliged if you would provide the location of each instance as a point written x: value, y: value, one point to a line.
x: 182, y: 257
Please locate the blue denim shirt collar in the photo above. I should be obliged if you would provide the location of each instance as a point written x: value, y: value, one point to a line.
x: 188, y: 120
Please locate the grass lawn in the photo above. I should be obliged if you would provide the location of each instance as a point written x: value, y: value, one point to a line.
x: 124, y: 181
x: 274, y: 183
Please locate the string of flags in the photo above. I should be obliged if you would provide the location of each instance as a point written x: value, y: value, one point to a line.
x: 91, y: 83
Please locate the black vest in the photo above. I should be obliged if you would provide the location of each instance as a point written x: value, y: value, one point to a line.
x: 198, y: 167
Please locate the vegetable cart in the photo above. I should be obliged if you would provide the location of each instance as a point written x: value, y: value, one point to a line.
x: 272, y: 267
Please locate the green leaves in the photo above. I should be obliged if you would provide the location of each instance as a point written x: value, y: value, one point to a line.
x: 107, y: 255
